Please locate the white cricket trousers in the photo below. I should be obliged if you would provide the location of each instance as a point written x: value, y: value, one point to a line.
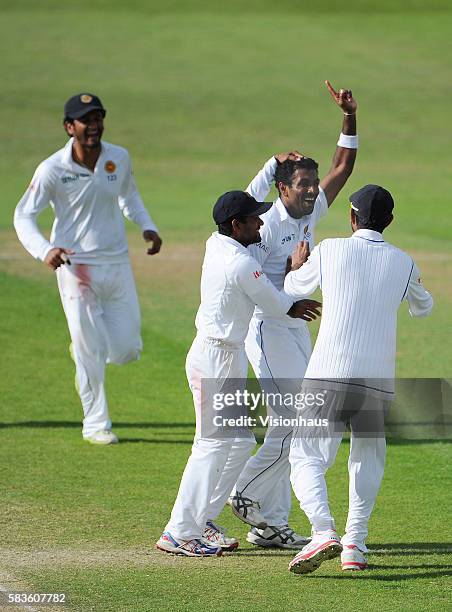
x: 311, y: 456
x: 208, y: 361
x: 101, y: 307
x: 279, y: 356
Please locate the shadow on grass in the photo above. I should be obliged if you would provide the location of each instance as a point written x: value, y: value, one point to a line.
x: 368, y: 575
x: 78, y: 424
x: 410, y: 441
x: 411, y: 548
x: 156, y: 426
x: 386, y: 573
x: 191, y: 425
x: 154, y: 441
x: 441, y: 566
x: 265, y: 553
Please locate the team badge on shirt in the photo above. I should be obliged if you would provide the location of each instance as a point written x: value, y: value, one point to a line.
x: 85, y: 98
x: 306, y: 233
x: 257, y: 273
x: 110, y: 166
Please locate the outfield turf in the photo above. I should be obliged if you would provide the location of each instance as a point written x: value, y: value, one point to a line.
x: 202, y: 94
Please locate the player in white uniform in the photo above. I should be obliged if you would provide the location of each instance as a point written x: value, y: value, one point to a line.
x: 90, y: 187
x: 232, y: 283
x: 363, y: 280
x: 279, y: 348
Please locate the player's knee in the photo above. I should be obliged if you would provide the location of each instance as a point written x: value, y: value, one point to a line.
x: 124, y: 356
x: 212, y: 447
x: 245, y: 446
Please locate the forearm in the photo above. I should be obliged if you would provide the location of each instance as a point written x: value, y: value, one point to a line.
x: 273, y: 302
x: 262, y: 182
x: 300, y: 284
x: 345, y: 154
x: 29, y: 235
x: 343, y: 160
x: 419, y: 299
x: 134, y: 210
x: 296, y: 289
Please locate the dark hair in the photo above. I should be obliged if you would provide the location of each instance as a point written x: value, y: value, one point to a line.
x: 377, y: 226
x: 225, y: 228
x: 67, y: 120
x: 285, y: 170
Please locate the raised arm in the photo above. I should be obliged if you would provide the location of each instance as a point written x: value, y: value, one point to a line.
x: 261, y: 184
x: 345, y: 155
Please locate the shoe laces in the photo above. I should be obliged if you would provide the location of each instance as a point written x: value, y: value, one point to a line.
x: 216, y: 527
x: 284, y: 533
x: 193, y: 545
x: 245, y: 502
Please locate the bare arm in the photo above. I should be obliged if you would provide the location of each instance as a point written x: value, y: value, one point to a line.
x: 344, y: 157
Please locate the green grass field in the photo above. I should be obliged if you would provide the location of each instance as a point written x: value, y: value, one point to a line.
x: 202, y: 94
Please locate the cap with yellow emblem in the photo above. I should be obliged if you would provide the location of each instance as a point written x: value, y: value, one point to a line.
x: 82, y: 103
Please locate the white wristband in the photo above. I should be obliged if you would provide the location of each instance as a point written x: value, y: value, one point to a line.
x: 348, y: 142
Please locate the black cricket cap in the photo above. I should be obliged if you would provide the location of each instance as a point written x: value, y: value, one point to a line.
x: 237, y: 204
x: 372, y: 203
x: 82, y: 103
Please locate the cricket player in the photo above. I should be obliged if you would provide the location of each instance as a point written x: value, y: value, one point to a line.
x: 232, y: 284
x: 90, y: 187
x: 363, y: 280
x: 279, y: 348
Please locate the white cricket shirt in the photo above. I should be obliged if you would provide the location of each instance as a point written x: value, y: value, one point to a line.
x: 280, y: 234
x: 363, y: 281
x: 232, y: 283
x: 88, y: 206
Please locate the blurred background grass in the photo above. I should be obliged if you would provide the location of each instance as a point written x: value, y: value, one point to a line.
x: 202, y: 99
x: 202, y: 93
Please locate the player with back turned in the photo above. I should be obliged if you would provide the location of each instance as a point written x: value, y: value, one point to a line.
x: 363, y: 280
x: 90, y: 187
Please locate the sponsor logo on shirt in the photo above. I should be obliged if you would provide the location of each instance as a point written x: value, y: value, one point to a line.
x: 263, y: 246
x: 288, y: 238
x: 257, y: 273
x: 73, y: 177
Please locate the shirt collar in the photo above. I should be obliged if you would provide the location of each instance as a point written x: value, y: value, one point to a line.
x: 284, y: 215
x: 67, y: 154
x: 67, y: 159
x: 368, y: 234
x: 230, y: 241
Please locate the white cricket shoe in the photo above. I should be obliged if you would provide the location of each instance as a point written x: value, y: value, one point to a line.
x: 323, y: 546
x: 247, y: 510
x: 189, y: 548
x: 352, y: 558
x: 216, y: 536
x: 103, y: 436
x: 277, y: 537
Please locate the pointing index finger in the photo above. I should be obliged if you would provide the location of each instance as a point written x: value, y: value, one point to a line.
x: 331, y: 90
